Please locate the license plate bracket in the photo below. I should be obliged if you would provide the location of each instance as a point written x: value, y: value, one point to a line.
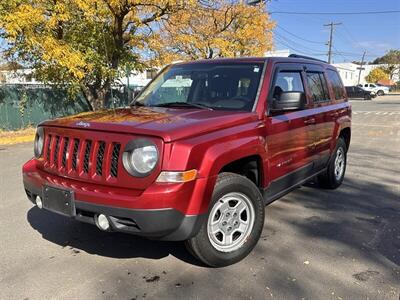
x: 58, y: 200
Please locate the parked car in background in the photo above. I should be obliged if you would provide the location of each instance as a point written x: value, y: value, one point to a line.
x: 388, y: 87
x: 380, y: 90
x: 357, y: 92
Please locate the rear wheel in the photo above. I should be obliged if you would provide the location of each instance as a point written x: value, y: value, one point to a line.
x: 367, y: 97
x: 380, y: 93
x: 334, y: 174
x: 234, y: 224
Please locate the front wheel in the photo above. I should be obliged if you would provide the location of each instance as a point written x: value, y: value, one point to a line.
x: 333, y: 177
x: 234, y: 224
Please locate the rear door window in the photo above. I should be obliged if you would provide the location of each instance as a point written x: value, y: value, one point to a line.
x: 337, y: 85
x: 318, y: 87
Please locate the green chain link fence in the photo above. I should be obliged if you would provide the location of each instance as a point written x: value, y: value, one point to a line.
x: 27, y: 105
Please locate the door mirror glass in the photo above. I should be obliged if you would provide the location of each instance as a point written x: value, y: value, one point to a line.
x: 288, y: 92
x: 290, y: 100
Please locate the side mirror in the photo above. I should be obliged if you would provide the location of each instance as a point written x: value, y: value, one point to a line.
x: 289, y: 101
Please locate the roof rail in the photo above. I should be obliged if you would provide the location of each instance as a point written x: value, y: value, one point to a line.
x: 306, y: 57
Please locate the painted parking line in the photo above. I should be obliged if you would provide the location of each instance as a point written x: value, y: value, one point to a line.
x: 378, y: 113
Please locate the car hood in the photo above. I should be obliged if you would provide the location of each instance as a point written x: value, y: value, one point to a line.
x: 168, y: 123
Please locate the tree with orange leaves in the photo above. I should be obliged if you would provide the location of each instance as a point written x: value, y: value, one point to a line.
x: 210, y: 29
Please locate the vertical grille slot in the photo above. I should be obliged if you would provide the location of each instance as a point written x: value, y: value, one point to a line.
x: 64, y: 153
x: 86, y: 156
x: 48, y: 147
x: 114, y: 159
x: 100, y: 158
x: 56, y: 150
x: 71, y: 154
x: 75, y: 154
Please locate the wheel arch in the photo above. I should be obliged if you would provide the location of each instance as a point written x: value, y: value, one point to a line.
x: 249, y: 166
x: 345, y: 133
x: 230, y: 155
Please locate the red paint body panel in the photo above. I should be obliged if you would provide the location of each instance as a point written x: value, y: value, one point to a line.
x: 193, y: 139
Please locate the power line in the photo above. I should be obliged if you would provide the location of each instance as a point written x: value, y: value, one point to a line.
x: 299, y: 37
x: 282, y: 42
x: 336, y: 13
x: 295, y: 43
x: 343, y: 54
x: 338, y: 52
x: 351, y: 36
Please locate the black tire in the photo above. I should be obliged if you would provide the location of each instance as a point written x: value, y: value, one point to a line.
x: 201, y: 245
x: 367, y: 97
x: 380, y: 93
x: 329, y: 178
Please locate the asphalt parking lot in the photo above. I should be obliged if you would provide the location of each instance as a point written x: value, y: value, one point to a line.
x: 316, y: 244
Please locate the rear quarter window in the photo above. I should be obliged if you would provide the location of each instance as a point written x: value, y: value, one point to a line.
x: 337, y: 85
x: 318, y: 87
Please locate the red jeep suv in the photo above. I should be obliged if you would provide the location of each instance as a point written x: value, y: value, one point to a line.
x: 198, y: 154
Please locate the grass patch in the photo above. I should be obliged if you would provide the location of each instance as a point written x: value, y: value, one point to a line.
x: 18, y: 136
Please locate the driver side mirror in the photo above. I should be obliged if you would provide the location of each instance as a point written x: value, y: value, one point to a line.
x: 290, y: 100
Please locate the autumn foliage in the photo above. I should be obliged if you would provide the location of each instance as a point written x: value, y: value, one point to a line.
x: 85, y: 45
x: 376, y: 75
x: 213, y: 29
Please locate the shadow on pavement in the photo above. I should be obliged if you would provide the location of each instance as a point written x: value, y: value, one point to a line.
x: 362, y: 215
x: 81, y: 236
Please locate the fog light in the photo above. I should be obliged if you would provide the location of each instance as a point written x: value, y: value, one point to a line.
x: 39, y: 202
x: 102, y: 222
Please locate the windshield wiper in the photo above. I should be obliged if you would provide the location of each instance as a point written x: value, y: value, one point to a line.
x: 184, y: 104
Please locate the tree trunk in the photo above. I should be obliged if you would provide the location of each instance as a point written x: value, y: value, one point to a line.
x: 96, y: 96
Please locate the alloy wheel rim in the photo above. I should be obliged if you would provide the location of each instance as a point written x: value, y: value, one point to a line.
x: 339, y: 163
x: 230, y: 222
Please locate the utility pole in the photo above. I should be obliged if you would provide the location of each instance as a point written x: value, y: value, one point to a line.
x: 361, y: 67
x: 330, y: 43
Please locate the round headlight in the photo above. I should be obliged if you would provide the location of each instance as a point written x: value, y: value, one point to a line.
x: 39, y: 142
x: 140, y: 157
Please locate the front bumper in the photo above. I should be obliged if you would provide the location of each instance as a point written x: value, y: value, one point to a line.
x: 129, y: 211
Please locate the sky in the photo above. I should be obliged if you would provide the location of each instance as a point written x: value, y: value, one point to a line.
x: 306, y: 35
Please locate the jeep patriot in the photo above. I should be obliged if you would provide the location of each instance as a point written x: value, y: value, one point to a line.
x: 198, y: 154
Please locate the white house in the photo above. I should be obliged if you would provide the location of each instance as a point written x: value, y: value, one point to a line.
x: 138, y: 79
x: 349, y: 72
x: 19, y: 76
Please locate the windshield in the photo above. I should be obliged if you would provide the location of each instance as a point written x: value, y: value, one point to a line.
x: 209, y: 85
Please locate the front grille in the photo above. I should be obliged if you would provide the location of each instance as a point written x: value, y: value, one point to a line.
x: 114, y: 159
x: 64, y: 153
x: 56, y: 150
x: 75, y: 154
x: 86, y: 156
x: 48, y: 147
x: 82, y: 157
x: 100, y: 158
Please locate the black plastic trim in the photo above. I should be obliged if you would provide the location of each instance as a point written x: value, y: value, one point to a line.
x: 285, y: 184
x: 166, y: 224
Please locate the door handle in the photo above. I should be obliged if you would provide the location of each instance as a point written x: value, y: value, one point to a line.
x: 309, y: 121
